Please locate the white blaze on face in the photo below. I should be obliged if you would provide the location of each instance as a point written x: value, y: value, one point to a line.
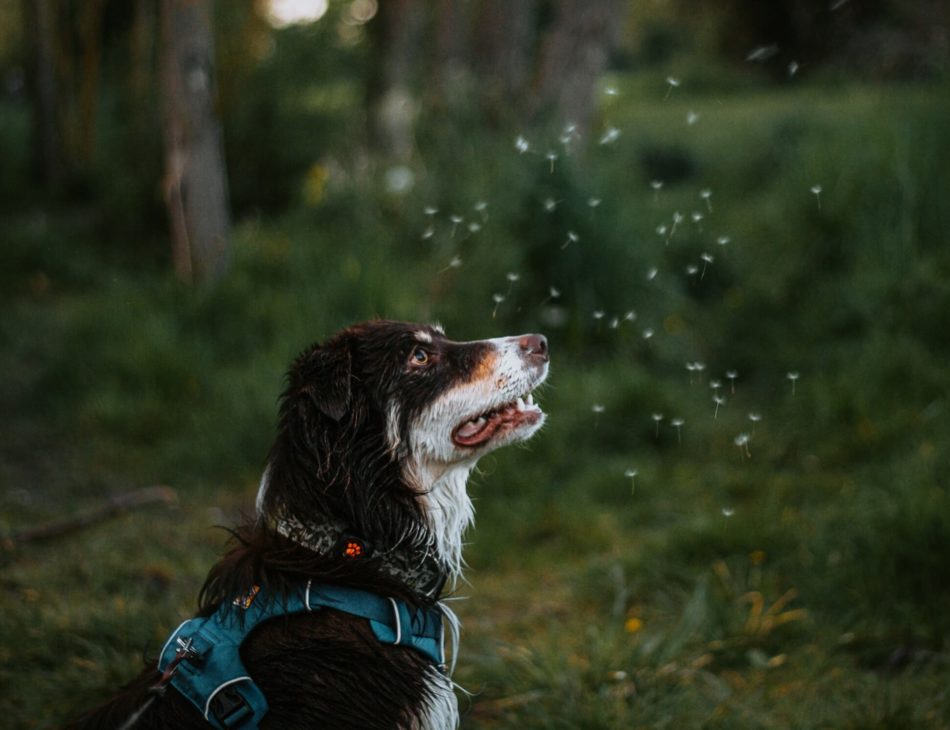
x: 493, y: 408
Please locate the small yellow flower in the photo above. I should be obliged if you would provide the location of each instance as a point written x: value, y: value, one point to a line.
x: 632, y: 625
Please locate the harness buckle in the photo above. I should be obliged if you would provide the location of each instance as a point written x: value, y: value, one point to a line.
x: 230, y: 708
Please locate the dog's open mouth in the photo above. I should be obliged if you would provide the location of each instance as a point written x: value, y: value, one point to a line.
x: 501, y: 420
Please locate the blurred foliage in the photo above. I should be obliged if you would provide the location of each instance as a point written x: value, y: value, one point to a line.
x: 625, y: 573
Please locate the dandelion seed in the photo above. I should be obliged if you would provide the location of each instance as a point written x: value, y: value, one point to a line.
x: 677, y: 423
x: 631, y: 474
x: 742, y: 441
x: 651, y: 273
x: 661, y: 229
x: 793, y: 376
x: 552, y: 158
x: 549, y: 205
x: 512, y: 276
x: 521, y: 144
x: 598, y: 314
x: 593, y: 202
x: 692, y: 270
x: 429, y: 210
x: 648, y: 333
x: 657, y: 417
x: 598, y: 408
x: 455, y: 263
x: 719, y: 401
x: 816, y: 191
x: 571, y: 238
x: 707, y: 259
x: 762, y: 53
x: 671, y: 83
x: 732, y: 375
x: 793, y: 68
x: 554, y: 292
x: 480, y: 207
x: 656, y: 184
x: 610, y: 136
x: 428, y: 233
x: 723, y: 240
x: 498, y: 299
x: 630, y: 316
x: 706, y: 195
x: 755, y: 418
x: 728, y: 511
x: 715, y: 385
x: 474, y: 227
x: 691, y: 118
x: 569, y: 133
x: 611, y: 91
x: 456, y: 220
x: 614, y: 323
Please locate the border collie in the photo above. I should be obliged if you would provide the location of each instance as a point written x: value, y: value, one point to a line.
x: 364, y: 491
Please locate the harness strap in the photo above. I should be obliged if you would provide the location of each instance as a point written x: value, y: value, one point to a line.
x: 213, y: 678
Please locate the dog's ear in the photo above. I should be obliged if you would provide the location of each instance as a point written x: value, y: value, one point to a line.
x: 324, y: 375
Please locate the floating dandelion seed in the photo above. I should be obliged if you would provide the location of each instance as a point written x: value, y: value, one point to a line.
x: 549, y: 205
x: 728, y: 511
x: 648, y: 333
x: 614, y: 323
x: 429, y: 210
x: 671, y: 83
x: 715, y: 385
x: 631, y: 474
x: 723, y: 240
x: 707, y: 259
x: 719, y: 401
x: 677, y: 219
x: 610, y: 136
x: 569, y: 133
x: 677, y: 423
x: 598, y: 314
x: 816, y: 191
x: 455, y: 263
x: 498, y: 299
x: 474, y: 227
x: 552, y: 158
x: 692, y: 270
x: 762, y: 53
x: 571, y: 238
x: 793, y: 376
x: 480, y: 207
x: 521, y: 144
x: 593, y: 202
x: 657, y: 417
x: 662, y: 229
x: 512, y: 276
x: 793, y: 68
x: 706, y: 195
x: 456, y: 220
x: 428, y: 233
x: 611, y: 90
x: 651, y: 273
x: 553, y: 292
x: 732, y: 375
x: 755, y: 418
x: 742, y: 441
x: 656, y: 184
x: 597, y: 409
x: 691, y: 118
x: 630, y: 316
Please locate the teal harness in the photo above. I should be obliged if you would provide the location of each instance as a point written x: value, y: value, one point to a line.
x: 203, y: 655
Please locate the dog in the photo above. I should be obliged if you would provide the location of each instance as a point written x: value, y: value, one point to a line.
x: 360, y: 514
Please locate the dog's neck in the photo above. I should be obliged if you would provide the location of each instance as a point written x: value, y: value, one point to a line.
x: 448, y: 509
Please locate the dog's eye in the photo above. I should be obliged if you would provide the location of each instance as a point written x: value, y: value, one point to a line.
x: 419, y: 356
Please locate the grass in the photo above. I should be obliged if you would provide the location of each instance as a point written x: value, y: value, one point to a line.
x: 800, y: 584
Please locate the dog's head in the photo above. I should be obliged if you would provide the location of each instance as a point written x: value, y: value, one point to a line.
x: 381, y: 425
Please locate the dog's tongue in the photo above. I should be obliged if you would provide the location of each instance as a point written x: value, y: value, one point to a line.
x: 478, y: 431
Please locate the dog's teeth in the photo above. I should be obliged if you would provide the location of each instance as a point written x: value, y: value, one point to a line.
x: 519, y: 404
x: 530, y: 399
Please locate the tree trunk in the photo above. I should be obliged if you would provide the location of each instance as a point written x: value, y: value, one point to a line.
x: 195, y: 181
x: 574, y: 56
x: 505, y: 34
x: 40, y: 19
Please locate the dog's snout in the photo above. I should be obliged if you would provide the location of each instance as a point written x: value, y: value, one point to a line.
x: 534, y: 347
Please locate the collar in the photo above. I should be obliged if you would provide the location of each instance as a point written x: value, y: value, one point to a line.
x: 418, y: 570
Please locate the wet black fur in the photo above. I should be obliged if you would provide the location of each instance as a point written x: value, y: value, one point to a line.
x: 329, y: 460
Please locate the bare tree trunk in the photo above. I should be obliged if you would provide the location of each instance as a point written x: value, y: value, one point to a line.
x: 504, y: 42
x: 392, y: 104
x: 574, y: 55
x: 40, y: 19
x: 195, y: 181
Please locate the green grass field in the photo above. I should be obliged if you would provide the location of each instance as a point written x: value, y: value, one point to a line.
x: 798, y: 578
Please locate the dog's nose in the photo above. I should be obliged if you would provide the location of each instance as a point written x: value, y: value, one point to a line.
x: 534, y: 347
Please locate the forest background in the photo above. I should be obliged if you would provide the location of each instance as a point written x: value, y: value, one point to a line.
x: 730, y: 218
